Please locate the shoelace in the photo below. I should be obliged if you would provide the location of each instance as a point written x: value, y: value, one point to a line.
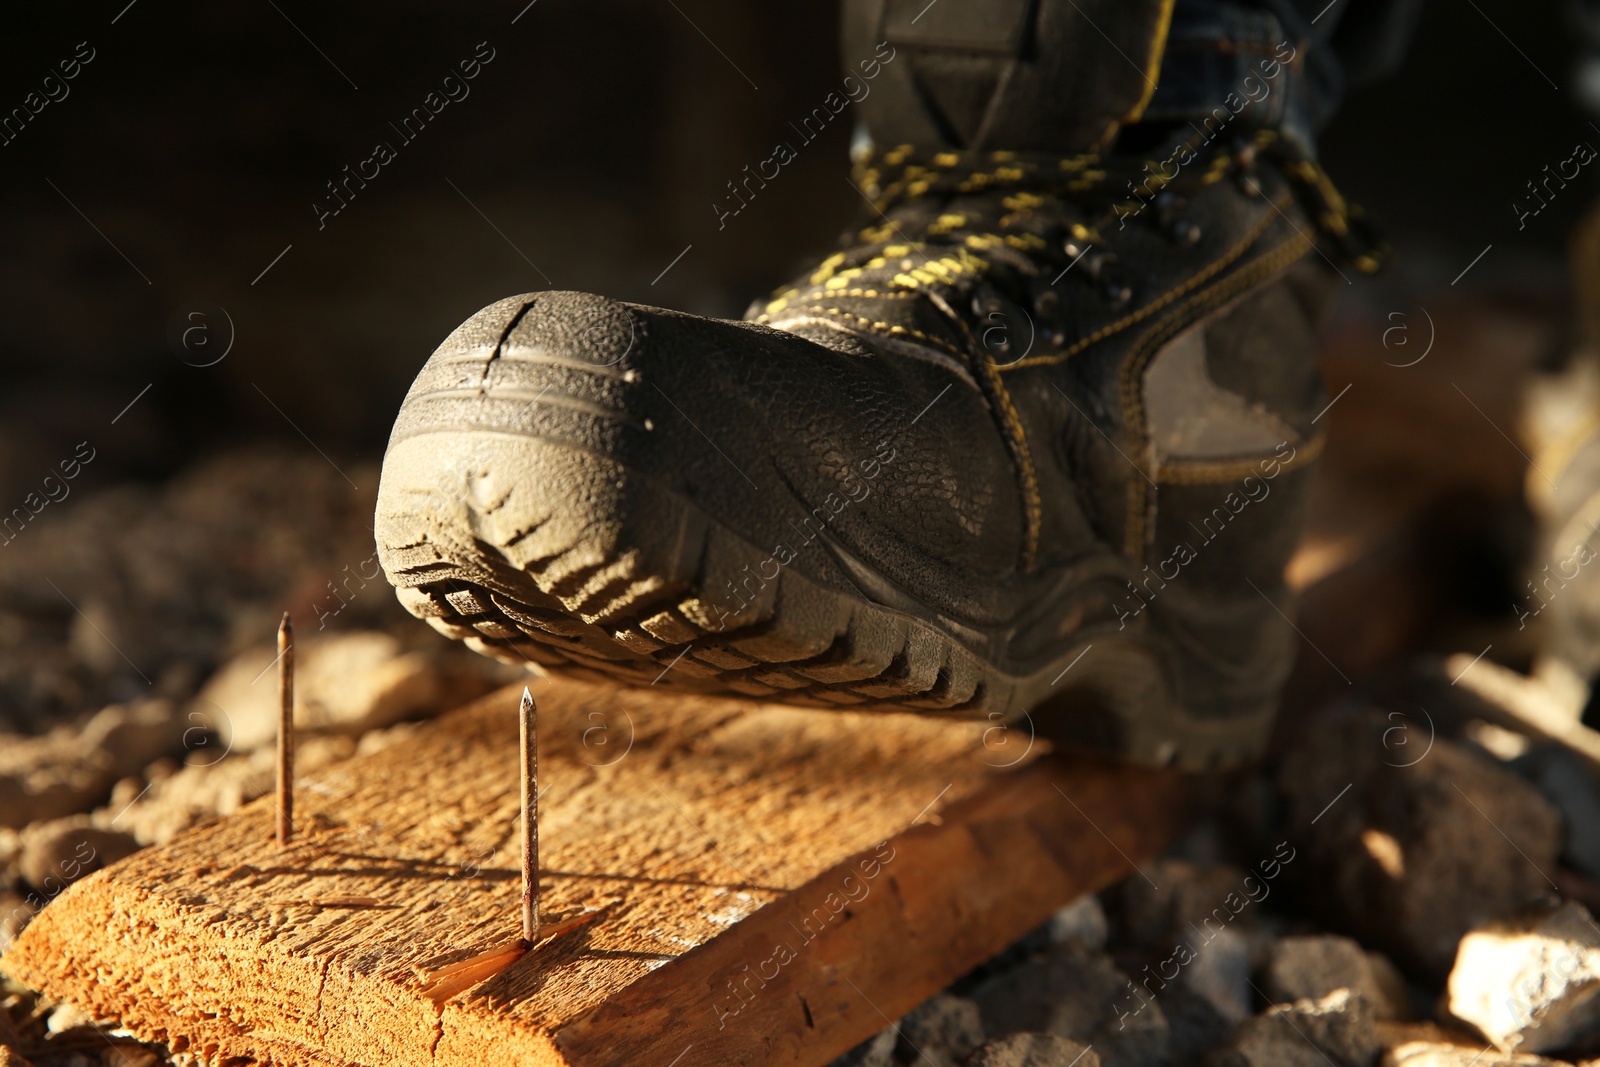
x: 1000, y: 225
x: 983, y: 235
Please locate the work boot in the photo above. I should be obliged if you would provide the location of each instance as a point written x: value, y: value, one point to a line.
x: 1034, y: 442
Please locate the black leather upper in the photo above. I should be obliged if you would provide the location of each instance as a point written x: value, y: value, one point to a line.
x: 1026, y: 75
x: 759, y: 427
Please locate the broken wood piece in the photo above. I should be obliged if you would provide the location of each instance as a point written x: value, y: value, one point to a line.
x: 547, y: 933
x: 439, y: 986
x: 433, y: 970
x: 428, y: 974
x: 777, y: 889
x: 1517, y: 702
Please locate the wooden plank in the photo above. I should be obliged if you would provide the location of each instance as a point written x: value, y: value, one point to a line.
x: 773, y: 885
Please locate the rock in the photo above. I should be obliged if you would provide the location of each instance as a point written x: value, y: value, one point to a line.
x: 176, y: 801
x: 133, y: 735
x: 1196, y: 1027
x: 1073, y: 992
x: 56, y: 854
x: 344, y: 683
x: 1178, y: 900
x: 1083, y: 921
x: 10, y: 855
x: 64, y: 1017
x: 1563, y: 778
x: 1177, y: 907
x: 43, y: 791
x: 70, y: 769
x: 1388, y: 992
x: 130, y: 1056
x: 1532, y: 983
x: 1337, y: 1029
x: 1034, y: 1050
x: 1311, y: 967
x: 875, y: 1051
x: 940, y: 1032
x: 15, y: 913
x: 1427, y: 1045
x: 1219, y: 975
x: 1206, y: 927
x: 49, y: 777
x: 1417, y: 850
x: 125, y: 792
x: 175, y: 575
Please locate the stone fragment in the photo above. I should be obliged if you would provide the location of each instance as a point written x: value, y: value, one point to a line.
x: 130, y: 1056
x: 56, y: 854
x: 64, y: 1017
x: 1312, y: 967
x: 71, y: 768
x: 1411, y: 851
x: 1176, y: 900
x: 1428, y: 1045
x: 875, y: 1051
x: 174, y: 802
x: 1337, y: 1029
x: 1532, y: 983
x: 176, y: 576
x: 1219, y: 974
x: 10, y: 856
x: 1196, y: 1027
x: 1083, y: 921
x: 940, y: 1032
x: 1567, y: 782
x: 16, y: 911
x: 133, y: 735
x: 1034, y: 1050
x: 344, y: 683
x: 1072, y: 992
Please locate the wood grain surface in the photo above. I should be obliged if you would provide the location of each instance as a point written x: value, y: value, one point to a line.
x: 772, y: 885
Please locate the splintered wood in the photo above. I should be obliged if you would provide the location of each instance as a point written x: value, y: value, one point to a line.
x: 736, y: 882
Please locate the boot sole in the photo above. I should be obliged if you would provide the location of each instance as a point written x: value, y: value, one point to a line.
x: 493, y: 552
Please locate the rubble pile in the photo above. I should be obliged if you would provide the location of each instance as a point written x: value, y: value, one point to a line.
x: 139, y: 592
x: 1396, y: 902
x: 156, y: 606
x: 1388, y: 890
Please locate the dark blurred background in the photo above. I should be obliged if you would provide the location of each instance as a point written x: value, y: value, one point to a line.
x: 161, y: 214
x: 587, y: 156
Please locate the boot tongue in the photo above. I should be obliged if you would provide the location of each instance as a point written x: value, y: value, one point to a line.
x: 1026, y: 75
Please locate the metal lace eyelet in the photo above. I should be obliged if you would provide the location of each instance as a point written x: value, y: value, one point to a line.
x: 1168, y: 204
x: 1096, y: 262
x: 1185, y: 232
x: 986, y: 304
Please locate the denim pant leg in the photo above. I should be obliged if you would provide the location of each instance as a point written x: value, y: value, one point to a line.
x: 1282, y: 64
